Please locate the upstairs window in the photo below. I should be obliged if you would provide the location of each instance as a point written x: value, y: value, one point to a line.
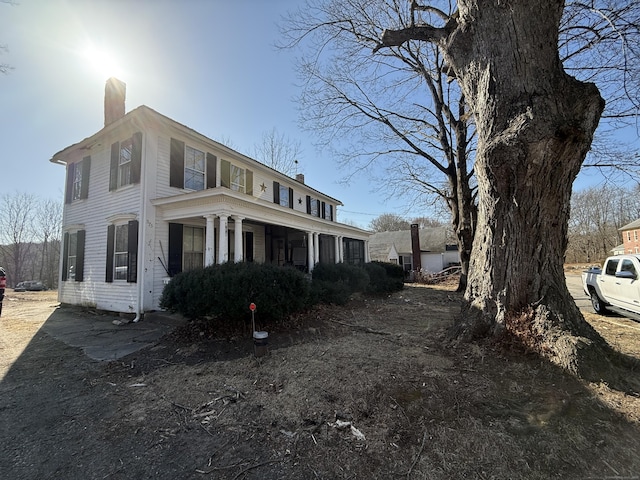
x: 194, y: 169
x: 313, y: 206
x: 237, y: 179
x: 78, y: 180
x: 282, y: 195
x: 126, y: 160
x: 77, y: 183
x: 191, y: 168
x: 328, y: 211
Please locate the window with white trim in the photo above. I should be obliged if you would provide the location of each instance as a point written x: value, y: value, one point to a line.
x: 124, y: 163
x: 194, y: 169
x: 237, y: 179
x: 192, y: 248
x: 77, y: 182
x: 72, y: 249
x: 328, y: 211
x: 121, y: 252
x: 284, y: 196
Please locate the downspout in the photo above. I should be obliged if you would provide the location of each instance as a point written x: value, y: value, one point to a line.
x: 141, y: 232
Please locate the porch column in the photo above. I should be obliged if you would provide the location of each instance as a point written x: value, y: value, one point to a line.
x: 341, y: 248
x: 316, y: 248
x: 223, y: 240
x: 310, y: 248
x: 237, y: 239
x: 367, y: 258
x: 336, y: 247
x: 209, y: 253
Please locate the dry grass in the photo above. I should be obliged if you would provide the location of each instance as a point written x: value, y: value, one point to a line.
x: 199, y: 405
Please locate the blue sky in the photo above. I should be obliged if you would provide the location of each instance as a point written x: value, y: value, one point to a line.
x: 211, y: 65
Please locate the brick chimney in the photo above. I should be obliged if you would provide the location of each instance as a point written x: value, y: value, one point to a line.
x: 115, y: 92
x: 415, y: 246
x: 300, y: 177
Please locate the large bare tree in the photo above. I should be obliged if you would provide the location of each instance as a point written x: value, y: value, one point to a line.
x: 535, y: 124
x: 397, y: 108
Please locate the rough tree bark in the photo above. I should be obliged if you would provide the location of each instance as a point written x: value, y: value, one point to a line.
x: 535, y: 125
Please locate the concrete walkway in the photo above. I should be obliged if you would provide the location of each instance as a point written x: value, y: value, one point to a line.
x: 101, y: 339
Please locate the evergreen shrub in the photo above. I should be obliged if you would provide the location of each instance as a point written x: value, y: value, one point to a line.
x: 225, y: 291
x: 336, y: 282
x: 384, y: 277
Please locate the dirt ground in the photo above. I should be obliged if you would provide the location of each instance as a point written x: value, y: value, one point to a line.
x: 366, y: 391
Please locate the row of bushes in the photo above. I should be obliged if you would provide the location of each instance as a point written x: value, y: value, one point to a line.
x: 225, y: 291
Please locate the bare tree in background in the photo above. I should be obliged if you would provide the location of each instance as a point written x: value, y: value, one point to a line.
x: 597, y: 214
x: 278, y: 151
x: 16, y: 233
x: 389, y: 222
x: 5, y: 67
x: 48, y: 220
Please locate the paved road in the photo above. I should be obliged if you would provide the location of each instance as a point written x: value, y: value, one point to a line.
x: 574, y: 283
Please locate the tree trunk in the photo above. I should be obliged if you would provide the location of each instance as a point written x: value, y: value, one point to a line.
x: 535, y: 125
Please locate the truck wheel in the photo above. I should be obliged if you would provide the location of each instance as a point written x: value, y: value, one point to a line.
x: 597, y: 304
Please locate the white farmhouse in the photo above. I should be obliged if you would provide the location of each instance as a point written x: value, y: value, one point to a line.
x: 147, y: 197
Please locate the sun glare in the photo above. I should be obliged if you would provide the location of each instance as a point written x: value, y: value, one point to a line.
x: 102, y: 61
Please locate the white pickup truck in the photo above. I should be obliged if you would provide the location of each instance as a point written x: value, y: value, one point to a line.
x: 616, y: 286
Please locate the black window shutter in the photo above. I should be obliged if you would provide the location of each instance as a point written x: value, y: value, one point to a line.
x: 113, y: 170
x: 249, y: 183
x: 65, y: 256
x: 136, y: 157
x: 318, y: 205
x: 225, y: 174
x: 211, y: 170
x: 71, y: 168
x: 80, y: 237
x: 308, y: 204
x: 176, y: 164
x: 174, y: 262
x: 322, y: 210
x: 331, y: 212
x: 132, y: 252
x: 111, y: 232
x: 276, y: 192
x: 290, y: 197
x: 84, y: 182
